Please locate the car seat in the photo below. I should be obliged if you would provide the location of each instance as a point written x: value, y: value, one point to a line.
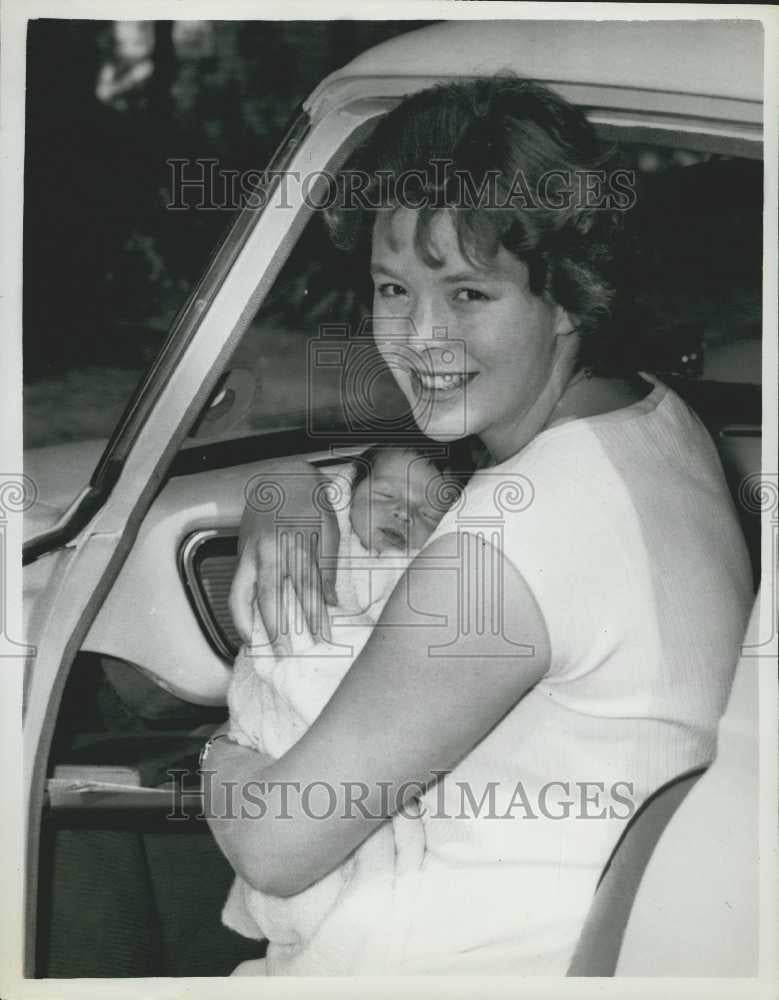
x: 600, y: 941
x: 679, y: 894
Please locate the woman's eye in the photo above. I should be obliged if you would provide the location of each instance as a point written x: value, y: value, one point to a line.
x: 470, y: 295
x: 390, y: 290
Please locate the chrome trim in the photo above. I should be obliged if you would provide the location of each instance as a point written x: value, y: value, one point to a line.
x: 740, y: 431
x: 648, y: 105
x: 186, y: 565
x: 163, y: 801
x: 62, y: 521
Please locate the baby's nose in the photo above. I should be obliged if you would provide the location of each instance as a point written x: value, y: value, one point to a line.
x: 402, y: 515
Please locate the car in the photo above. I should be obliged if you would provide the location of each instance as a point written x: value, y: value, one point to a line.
x: 128, y: 567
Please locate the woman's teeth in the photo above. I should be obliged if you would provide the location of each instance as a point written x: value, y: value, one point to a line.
x: 451, y: 380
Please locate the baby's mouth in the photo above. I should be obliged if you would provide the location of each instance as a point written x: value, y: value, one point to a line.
x: 394, y: 537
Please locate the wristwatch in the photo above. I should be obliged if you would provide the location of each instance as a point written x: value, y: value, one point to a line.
x: 207, y: 746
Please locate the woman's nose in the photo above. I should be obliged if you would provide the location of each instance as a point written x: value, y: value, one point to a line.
x: 426, y: 321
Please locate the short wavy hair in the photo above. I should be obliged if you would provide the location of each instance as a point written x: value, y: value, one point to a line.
x: 447, y: 147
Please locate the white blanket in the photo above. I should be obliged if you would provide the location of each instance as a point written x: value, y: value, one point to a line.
x: 273, y: 700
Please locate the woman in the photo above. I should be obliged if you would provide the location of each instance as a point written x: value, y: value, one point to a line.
x: 532, y: 716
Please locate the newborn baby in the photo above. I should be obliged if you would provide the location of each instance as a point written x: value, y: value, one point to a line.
x: 391, y: 500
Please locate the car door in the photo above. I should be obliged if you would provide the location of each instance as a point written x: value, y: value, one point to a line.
x: 117, y: 577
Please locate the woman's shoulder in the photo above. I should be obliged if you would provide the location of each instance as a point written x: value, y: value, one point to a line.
x: 527, y: 486
x: 656, y: 428
x: 591, y: 465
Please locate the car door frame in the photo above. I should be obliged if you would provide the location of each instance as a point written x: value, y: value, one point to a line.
x: 81, y: 572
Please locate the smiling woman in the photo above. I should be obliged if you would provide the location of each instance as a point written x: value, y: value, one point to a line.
x: 521, y: 641
x: 550, y: 656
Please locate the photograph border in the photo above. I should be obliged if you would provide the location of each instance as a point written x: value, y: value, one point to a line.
x: 15, y: 16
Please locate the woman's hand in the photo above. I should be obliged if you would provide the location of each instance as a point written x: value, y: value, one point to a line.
x: 297, y: 538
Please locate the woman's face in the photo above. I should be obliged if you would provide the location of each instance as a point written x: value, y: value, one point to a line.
x: 472, y: 348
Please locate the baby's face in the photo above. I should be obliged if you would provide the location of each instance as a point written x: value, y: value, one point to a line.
x: 394, y: 506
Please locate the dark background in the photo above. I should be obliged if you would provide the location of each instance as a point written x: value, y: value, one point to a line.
x: 106, y: 265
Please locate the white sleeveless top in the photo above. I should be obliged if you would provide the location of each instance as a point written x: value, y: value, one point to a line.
x: 623, y: 527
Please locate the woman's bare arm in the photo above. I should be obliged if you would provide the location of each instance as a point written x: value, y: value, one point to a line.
x: 409, y: 708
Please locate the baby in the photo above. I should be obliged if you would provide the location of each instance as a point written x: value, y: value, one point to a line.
x: 391, y: 500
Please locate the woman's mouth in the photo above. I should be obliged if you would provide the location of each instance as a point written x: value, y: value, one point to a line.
x: 435, y: 387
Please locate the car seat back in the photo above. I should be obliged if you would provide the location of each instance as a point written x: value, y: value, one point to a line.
x: 679, y: 895
x: 732, y: 413
x: 697, y: 908
x: 601, y: 938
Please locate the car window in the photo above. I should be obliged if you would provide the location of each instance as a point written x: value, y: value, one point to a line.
x: 307, y: 361
x: 693, y: 277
